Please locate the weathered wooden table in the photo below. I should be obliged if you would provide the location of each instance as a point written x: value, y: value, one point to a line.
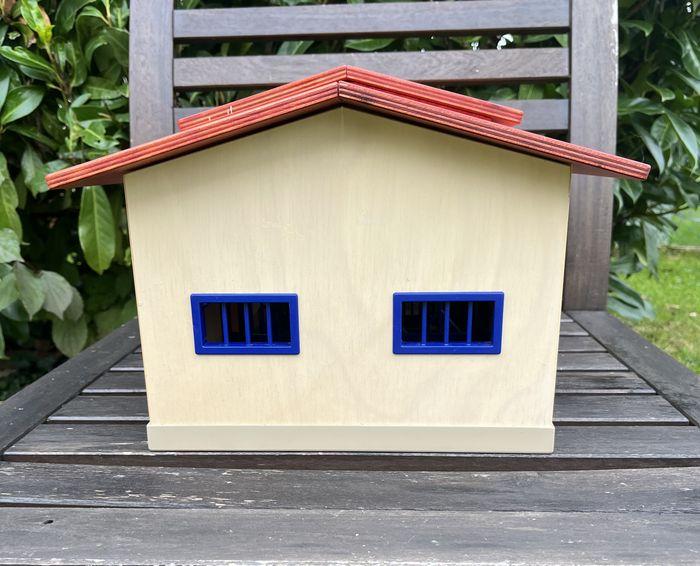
x: 78, y: 484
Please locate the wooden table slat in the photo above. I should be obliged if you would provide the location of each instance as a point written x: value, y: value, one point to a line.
x: 571, y: 328
x: 214, y: 536
x: 569, y: 344
x: 644, y: 490
x: 576, y: 447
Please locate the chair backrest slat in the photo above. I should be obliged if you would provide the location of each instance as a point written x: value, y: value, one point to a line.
x: 393, y: 19
x: 589, y: 64
x: 441, y: 67
x: 540, y: 115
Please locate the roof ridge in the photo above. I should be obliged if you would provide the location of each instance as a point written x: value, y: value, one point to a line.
x: 457, y: 102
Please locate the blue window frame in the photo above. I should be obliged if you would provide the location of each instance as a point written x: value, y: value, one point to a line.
x: 231, y: 324
x: 448, y: 323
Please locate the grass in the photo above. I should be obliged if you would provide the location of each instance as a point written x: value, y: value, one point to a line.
x: 675, y: 296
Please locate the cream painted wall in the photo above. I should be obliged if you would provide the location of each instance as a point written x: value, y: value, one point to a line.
x: 345, y: 208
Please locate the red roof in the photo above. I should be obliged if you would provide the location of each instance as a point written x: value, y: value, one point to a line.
x: 348, y: 86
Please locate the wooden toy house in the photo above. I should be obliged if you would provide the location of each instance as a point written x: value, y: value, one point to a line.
x: 349, y: 262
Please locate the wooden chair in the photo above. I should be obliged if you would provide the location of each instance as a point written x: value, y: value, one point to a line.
x: 621, y: 485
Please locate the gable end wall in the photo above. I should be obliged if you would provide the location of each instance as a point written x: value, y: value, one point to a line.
x: 345, y: 208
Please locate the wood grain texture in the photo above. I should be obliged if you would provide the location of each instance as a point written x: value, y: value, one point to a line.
x: 435, y: 67
x: 551, y: 116
x: 593, y: 361
x: 571, y: 328
x: 372, y: 20
x: 576, y: 448
x: 132, y: 383
x: 207, y: 536
x: 568, y: 410
x: 150, y: 69
x: 538, y: 115
x: 579, y: 344
x: 350, y: 241
x: 673, y: 380
x: 568, y: 361
x: 29, y: 407
x: 620, y: 383
x: 593, y: 123
x: 643, y: 490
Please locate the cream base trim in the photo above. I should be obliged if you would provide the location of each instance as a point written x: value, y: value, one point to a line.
x: 352, y: 438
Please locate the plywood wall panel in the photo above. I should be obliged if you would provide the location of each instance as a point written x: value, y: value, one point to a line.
x: 346, y: 208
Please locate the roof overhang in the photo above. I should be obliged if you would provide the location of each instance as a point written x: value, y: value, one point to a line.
x: 404, y: 100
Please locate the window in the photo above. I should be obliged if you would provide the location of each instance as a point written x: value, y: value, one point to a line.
x: 448, y: 323
x: 245, y: 324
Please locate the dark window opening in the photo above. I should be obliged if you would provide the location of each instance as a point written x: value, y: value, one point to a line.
x: 448, y: 323
x: 245, y: 324
x: 411, y: 322
x: 213, y: 332
x: 482, y: 322
x: 279, y: 316
x: 236, y: 322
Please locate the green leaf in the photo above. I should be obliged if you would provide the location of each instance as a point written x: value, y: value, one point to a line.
x: 663, y: 92
x: 96, y: 228
x: 28, y: 60
x: 652, y: 241
x: 58, y: 293
x: 8, y: 200
x: 75, y: 309
x: 625, y: 301
x: 368, y: 44
x: 530, y: 91
x: 78, y: 64
x: 4, y: 83
x: 2, y: 345
x: 8, y: 290
x: 33, y: 133
x: 662, y: 131
x: 690, y: 81
x: 102, y: 89
x: 70, y: 336
x: 118, y: 40
x: 20, y: 102
x: 644, y: 26
x: 93, y: 43
x: 116, y: 203
x: 33, y: 171
x: 31, y: 290
x: 37, y: 20
x: 627, y: 106
x: 690, y: 58
x: 66, y: 12
x: 92, y: 12
x: 652, y: 146
x: 294, y: 47
x: 685, y: 134
x: 9, y: 246
x: 631, y: 188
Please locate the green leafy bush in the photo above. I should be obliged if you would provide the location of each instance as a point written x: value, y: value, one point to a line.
x: 64, y: 261
x: 658, y: 120
x: 65, y: 272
